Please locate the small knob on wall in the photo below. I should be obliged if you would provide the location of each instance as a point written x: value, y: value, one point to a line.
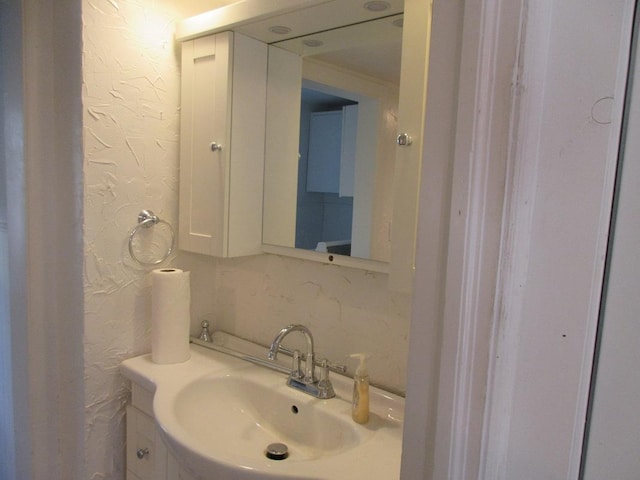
x: 142, y: 452
x: 404, y: 140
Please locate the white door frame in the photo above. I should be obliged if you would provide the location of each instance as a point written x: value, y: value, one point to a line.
x: 41, y: 63
x: 496, y: 331
x: 473, y: 50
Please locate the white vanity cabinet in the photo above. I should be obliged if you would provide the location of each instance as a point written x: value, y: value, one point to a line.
x: 222, y: 136
x: 147, y: 456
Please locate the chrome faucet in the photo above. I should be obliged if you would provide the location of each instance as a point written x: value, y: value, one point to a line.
x: 309, y: 364
x: 306, y: 382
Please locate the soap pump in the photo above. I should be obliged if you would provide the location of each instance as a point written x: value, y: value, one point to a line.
x: 360, y: 405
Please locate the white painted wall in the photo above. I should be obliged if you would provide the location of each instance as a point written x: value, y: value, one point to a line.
x: 131, y: 119
x: 614, y: 430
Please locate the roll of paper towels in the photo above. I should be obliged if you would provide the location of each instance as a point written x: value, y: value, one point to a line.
x: 170, y: 315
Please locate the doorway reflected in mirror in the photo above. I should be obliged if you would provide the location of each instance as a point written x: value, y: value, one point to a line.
x: 325, y: 172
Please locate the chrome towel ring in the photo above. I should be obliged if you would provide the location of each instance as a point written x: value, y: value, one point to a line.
x: 147, y: 219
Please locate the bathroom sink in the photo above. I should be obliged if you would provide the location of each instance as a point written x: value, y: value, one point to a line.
x: 218, y: 415
x: 255, y: 409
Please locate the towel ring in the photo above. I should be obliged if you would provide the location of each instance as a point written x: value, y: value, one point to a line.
x: 147, y: 219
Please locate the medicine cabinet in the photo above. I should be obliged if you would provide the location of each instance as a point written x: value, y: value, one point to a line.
x: 223, y: 193
x: 222, y: 136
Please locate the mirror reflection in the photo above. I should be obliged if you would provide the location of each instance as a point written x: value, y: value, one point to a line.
x: 348, y: 95
x: 324, y: 212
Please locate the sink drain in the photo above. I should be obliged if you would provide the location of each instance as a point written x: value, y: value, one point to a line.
x: 277, y: 451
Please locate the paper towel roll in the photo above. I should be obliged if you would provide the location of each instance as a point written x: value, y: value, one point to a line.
x: 170, y: 315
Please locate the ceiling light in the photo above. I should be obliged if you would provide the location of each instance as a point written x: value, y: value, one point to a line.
x: 311, y: 42
x: 398, y: 22
x: 376, y: 6
x: 279, y: 29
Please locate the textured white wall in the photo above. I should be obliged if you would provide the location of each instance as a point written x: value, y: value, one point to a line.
x: 131, y: 122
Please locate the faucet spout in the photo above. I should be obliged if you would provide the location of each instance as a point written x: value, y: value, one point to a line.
x: 309, y: 365
x: 308, y: 384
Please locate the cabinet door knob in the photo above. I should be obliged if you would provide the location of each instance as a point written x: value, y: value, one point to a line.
x: 215, y: 147
x: 404, y: 140
x: 142, y: 452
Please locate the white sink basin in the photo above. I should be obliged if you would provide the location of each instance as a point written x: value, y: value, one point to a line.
x: 256, y: 410
x: 218, y: 414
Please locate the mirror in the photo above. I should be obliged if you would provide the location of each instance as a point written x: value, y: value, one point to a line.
x: 399, y: 111
x: 330, y: 168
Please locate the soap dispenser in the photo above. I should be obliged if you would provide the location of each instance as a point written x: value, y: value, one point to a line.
x: 360, y: 405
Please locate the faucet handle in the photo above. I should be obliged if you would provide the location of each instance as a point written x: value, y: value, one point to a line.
x: 324, y: 369
x: 309, y: 368
x: 325, y: 389
x: 296, y: 372
x: 336, y: 367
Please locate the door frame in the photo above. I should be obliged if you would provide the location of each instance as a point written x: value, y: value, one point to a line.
x: 479, y: 318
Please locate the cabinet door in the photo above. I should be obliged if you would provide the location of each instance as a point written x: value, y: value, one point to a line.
x: 222, y: 134
x: 141, y: 451
x: 176, y: 472
x: 205, y: 121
